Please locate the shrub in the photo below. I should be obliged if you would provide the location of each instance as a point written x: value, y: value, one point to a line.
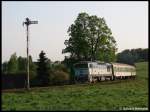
x: 60, y: 67
x: 59, y: 77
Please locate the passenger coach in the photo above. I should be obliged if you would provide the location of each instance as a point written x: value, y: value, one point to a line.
x: 97, y: 71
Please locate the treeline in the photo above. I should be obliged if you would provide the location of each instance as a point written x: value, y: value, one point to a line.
x: 132, y: 56
x: 18, y: 65
x: 44, y: 72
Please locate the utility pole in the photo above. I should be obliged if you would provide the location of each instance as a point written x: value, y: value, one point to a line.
x: 27, y: 23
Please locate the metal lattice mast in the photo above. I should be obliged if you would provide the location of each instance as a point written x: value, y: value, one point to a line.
x: 27, y: 23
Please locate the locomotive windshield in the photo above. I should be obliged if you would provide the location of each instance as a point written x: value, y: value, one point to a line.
x: 85, y: 65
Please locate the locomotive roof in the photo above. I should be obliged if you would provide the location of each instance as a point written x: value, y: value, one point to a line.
x: 84, y: 62
x: 101, y: 62
x: 91, y: 62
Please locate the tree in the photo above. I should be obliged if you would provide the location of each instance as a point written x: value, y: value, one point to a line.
x: 19, y: 64
x: 145, y: 54
x: 132, y: 56
x: 43, y: 69
x: 22, y: 64
x: 5, y: 67
x: 13, y: 64
x: 90, y: 39
x: 31, y: 64
x: 69, y: 62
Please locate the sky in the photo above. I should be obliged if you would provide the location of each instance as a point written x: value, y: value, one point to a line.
x: 128, y: 22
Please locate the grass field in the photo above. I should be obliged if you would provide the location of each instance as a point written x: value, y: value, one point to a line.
x: 110, y: 95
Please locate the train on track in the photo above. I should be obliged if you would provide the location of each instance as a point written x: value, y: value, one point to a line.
x: 92, y: 71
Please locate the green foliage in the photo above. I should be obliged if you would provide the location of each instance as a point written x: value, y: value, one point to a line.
x: 5, y: 67
x: 22, y: 63
x: 41, y: 72
x: 60, y: 67
x: 13, y: 64
x: 33, y: 67
x: 68, y: 62
x: 59, y: 74
x: 132, y: 56
x: 59, y: 77
x: 106, y: 55
x: 18, y: 65
x: 43, y: 69
x: 101, y: 96
x: 90, y: 37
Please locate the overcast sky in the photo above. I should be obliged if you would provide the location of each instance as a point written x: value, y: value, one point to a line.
x: 127, y: 20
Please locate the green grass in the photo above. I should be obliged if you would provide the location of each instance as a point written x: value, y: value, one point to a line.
x: 110, y: 95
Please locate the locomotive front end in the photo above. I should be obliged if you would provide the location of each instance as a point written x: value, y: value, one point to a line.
x: 81, y: 72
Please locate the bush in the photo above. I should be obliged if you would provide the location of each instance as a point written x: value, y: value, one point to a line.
x: 59, y: 77
x: 60, y: 67
x: 56, y: 77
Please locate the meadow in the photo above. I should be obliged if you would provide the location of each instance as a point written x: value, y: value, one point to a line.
x: 109, y: 95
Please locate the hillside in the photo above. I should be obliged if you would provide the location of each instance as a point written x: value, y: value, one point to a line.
x: 110, y: 95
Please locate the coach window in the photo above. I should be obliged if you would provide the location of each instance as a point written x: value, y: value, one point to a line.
x: 108, y: 68
x: 91, y: 66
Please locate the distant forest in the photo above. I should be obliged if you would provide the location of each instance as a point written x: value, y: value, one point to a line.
x: 132, y: 56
